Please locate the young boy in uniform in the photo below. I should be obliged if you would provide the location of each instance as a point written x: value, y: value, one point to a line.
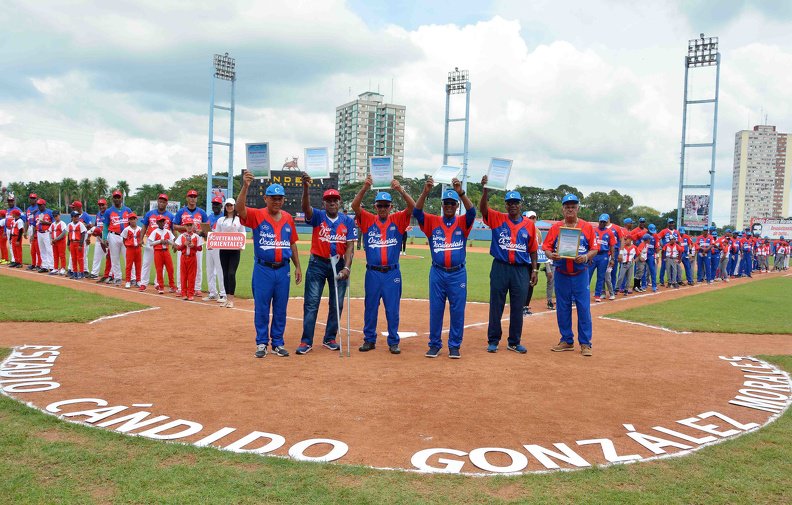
x: 76, y: 232
x: 160, y: 239
x: 3, y: 239
x: 132, y: 235
x: 190, y: 245
x: 17, y: 231
x: 58, y: 238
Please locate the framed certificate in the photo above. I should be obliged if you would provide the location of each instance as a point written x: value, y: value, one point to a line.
x: 257, y: 158
x: 381, y: 170
x: 445, y: 174
x: 317, y: 162
x: 568, y: 242
x: 498, y: 173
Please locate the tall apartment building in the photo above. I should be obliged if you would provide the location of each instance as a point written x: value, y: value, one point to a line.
x: 367, y: 127
x: 762, y: 175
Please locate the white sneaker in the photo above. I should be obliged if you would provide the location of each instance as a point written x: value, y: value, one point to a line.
x: 229, y: 305
x: 612, y: 297
x: 127, y: 285
x: 63, y: 271
x: 208, y: 298
x: 221, y: 300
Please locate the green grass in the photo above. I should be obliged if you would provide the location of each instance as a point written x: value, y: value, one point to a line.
x: 414, y: 271
x: 41, y: 302
x: 757, y: 307
x: 45, y: 460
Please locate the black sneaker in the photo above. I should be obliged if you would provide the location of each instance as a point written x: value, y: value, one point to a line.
x: 280, y: 351
x: 527, y: 311
x: 517, y: 348
x: 453, y: 353
x: 433, y: 352
x: 367, y: 346
x: 101, y: 280
x: 394, y: 349
x: 261, y: 351
x: 550, y: 306
x: 303, y: 348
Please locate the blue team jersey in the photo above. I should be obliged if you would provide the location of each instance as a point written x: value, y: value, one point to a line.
x: 273, y: 239
x: 85, y: 218
x: 383, y: 239
x: 330, y: 238
x: 115, y: 219
x: 588, y: 242
x: 31, y: 213
x: 150, y: 220
x: 214, y: 218
x: 512, y: 242
x: 198, y: 214
x: 42, y: 226
x: 447, y: 237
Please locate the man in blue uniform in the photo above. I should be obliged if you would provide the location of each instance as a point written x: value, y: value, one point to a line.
x: 703, y: 245
x: 382, y: 237
x: 447, y: 236
x: 515, y: 264
x: 606, y: 256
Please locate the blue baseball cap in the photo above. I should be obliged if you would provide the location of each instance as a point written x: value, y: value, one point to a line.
x: 604, y: 217
x: 628, y: 220
x: 727, y: 230
x: 647, y: 237
x: 671, y: 220
x: 782, y: 237
x: 652, y: 228
x: 569, y: 197
x: 450, y: 194
x: 513, y: 195
x: 714, y: 233
x: 641, y: 219
x: 382, y: 196
x: 275, y: 190
x: 681, y: 229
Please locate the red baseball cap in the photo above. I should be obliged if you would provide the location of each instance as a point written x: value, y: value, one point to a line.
x: 101, y: 201
x: 33, y: 195
x: 217, y: 199
x: 41, y: 201
x: 15, y: 212
x: 187, y: 220
x: 192, y: 192
x: 117, y: 193
x: 2, y: 212
x: 163, y: 196
x: 77, y: 203
x: 331, y: 193
x: 132, y: 216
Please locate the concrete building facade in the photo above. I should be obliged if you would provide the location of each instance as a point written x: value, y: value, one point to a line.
x: 367, y: 127
x: 762, y: 175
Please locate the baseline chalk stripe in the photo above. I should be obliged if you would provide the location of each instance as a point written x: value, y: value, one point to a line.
x: 662, y: 328
x: 114, y: 316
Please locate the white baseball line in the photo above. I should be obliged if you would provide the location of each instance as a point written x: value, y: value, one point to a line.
x: 114, y: 316
x: 669, y: 330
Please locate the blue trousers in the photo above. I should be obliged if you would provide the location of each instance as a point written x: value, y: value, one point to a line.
x: 514, y: 280
x: 614, y: 275
x: 703, y: 266
x: 747, y: 264
x: 599, y: 265
x: 650, y: 272
x: 270, y: 291
x: 688, y: 268
x: 451, y: 286
x: 385, y: 286
x: 714, y: 260
x: 573, y: 288
x: 732, y: 263
x: 316, y: 275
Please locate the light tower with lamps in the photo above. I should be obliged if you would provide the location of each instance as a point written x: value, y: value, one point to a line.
x: 702, y: 52
x: 458, y: 83
x: 224, y: 70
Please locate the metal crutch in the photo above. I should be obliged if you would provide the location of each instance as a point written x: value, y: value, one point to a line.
x: 333, y: 263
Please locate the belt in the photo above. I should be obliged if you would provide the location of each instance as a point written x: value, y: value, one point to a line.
x: 448, y: 269
x: 603, y: 252
x: 113, y: 233
x: 383, y: 268
x: 273, y: 265
x: 319, y: 258
x: 558, y: 269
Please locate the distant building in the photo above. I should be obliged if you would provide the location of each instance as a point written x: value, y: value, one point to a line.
x: 367, y: 127
x: 762, y: 175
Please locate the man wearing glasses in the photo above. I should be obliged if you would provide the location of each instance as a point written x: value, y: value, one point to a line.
x: 382, y: 239
x: 198, y: 216
x: 515, y: 265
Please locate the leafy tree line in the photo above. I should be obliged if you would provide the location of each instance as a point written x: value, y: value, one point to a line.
x: 545, y: 202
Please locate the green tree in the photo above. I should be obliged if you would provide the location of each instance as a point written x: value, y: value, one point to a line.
x: 85, y: 189
x: 70, y: 190
x: 100, y: 187
x: 123, y: 186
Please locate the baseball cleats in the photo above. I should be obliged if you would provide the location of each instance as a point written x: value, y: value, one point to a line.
x: 453, y: 353
x: 222, y: 300
x: 261, y: 351
x: 394, y: 349
x: 517, y: 348
x: 563, y: 346
x: 550, y: 305
x: 142, y: 287
x: 303, y: 348
x: 585, y: 350
x: 209, y: 298
x: 190, y: 298
x: 332, y: 345
x: 280, y: 351
x: 492, y: 348
x: 367, y: 346
x: 612, y: 297
x: 171, y: 290
x: 433, y: 352
x: 229, y: 304
x: 128, y: 285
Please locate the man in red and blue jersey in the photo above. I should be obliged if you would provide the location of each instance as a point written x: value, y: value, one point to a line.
x: 605, y: 257
x: 515, y: 265
x: 115, y: 220
x: 149, y: 225
x: 689, y: 247
x: 382, y: 237
x: 275, y: 239
x: 31, y: 214
x: 447, y: 236
x: 746, y: 246
x: 199, y: 216
x: 571, y: 281
x: 663, y: 238
x: 333, y: 238
x: 704, y: 243
x: 11, y: 207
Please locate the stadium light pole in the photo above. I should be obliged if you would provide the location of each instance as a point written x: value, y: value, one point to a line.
x: 224, y: 70
x: 458, y: 83
x: 702, y: 52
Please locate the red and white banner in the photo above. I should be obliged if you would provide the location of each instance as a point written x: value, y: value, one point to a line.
x: 771, y: 227
x: 225, y: 240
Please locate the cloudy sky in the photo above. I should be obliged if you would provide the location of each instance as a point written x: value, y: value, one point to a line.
x: 587, y: 93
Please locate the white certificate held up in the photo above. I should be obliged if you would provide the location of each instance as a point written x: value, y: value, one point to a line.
x: 317, y: 162
x: 258, y: 159
x: 498, y: 173
x: 445, y: 174
x: 381, y: 170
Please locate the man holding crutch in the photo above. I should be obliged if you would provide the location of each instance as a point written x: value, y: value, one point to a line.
x: 332, y: 250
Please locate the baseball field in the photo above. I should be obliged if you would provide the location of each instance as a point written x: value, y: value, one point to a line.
x: 684, y: 401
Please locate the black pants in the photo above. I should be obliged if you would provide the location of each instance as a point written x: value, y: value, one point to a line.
x: 514, y: 280
x: 229, y: 260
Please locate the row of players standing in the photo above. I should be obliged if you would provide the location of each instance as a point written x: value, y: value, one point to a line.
x: 120, y: 239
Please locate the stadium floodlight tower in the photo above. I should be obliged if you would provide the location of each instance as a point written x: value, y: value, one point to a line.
x: 458, y: 83
x: 702, y: 52
x: 224, y: 70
